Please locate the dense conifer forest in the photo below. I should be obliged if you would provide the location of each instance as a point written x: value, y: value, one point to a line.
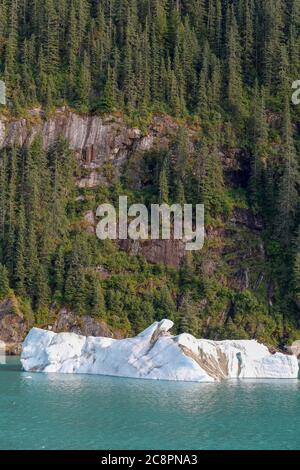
x: 180, y: 56
x: 222, y: 67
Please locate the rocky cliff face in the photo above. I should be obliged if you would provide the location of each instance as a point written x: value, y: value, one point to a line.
x: 167, y: 252
x: 84, y: 325
x: 94, y: 139
x: 234, y: 250
x: 97, y: 140
x: 13, y: 325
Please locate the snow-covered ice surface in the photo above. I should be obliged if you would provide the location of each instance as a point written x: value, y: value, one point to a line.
x: 154, y: 354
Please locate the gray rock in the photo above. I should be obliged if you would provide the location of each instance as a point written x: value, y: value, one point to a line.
x: 13, y: 326
x: 82, y: 325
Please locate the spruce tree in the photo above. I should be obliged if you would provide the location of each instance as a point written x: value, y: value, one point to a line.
x: 164, y: 184
x: 11, y: 212
x: 108, y: 98
x: 20, y: 270
x: 96, y: 303
x: 296, y: 267
x: 188, y: 317
x: 296, y: 278
x: 259, y: 140
x: 273, y: 40
x: 4, y: 282
x: 203, y: 100
x: 75, y: 287
x: 234, y: 89
x: 84, y: 84
x: 72, y: 49
x: 11, y: 50
x: 42, y: 294
x: 32, y: 261
x: 248, y: 38
x: 287, y: 194
x: 59, y: 274
x: 212, y: 181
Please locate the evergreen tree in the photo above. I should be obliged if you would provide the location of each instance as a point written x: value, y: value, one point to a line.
x: 203, y: 101
x: 212, y: 181
x: 222, y: 69
x: 296, y: 268
x: 248, y: 38
x: 175, y: 102
x: 31, y: 258
x: 20, y: 271
x: 259, y: 139
x: 59, y: 274
x: 70, y: 50
x: 288, y: 195
x: 234, y: 62
x: 42, y: 295
x: 214, y: 24
x: 273, y: 38
x: 75, y: 287
x: 11, y: 213
x: 107, y: 104
x: 11, y: 49
x: 52, y: 36
x: 4, y: 282
x: 164, y: 184
x: 296, y: 278
x: 164, y: 304
x: 188, y: 317
x: 84, y: 84
x: 73, y: 47
x: 96, y: 298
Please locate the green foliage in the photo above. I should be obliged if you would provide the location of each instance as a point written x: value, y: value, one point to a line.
x: 288, y: 194
x: 188, y: 317
x: 146, y: 55
x: 37, y: 187
x: 164, y: 185
x: 223, y: 70
x: 4, y: 282
x: 296, y: 277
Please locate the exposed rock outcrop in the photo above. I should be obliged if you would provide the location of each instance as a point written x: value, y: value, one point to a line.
x: 94, y: 139
x: 246, y: 218
x: 13, y: 326
x: 82, y: 325
x: 167, y: 252
x: 154, y: 354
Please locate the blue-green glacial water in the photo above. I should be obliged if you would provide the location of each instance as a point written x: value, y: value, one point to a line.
x: 39, y: 411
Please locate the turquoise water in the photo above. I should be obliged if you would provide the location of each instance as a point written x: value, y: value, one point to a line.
x: 93, y: 412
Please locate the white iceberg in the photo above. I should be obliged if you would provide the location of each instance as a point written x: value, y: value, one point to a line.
x: 154, y: 354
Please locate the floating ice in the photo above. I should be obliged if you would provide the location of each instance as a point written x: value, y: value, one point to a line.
x: 154, y: 354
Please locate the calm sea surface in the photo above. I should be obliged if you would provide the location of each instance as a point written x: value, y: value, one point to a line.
x: 40, y: 411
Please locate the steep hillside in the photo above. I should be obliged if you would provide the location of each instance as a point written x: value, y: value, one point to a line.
x: 228, y: 289
x: 178, y: 101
